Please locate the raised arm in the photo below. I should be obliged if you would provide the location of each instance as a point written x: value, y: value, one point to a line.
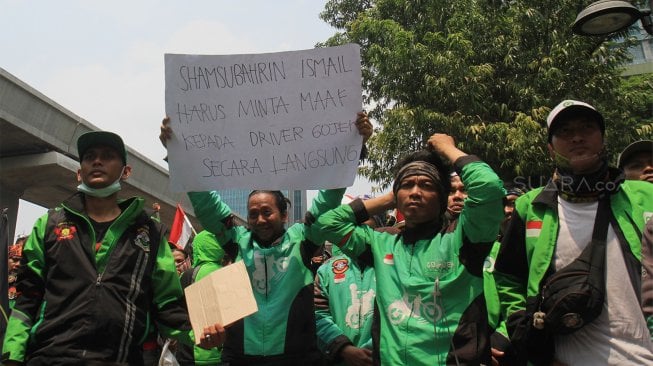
x: 332, y: 198
x: 483, y: 209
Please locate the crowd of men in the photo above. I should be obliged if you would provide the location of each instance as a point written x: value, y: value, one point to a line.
x: 478, y: 272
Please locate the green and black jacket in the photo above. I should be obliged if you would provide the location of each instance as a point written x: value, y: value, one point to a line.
x: 528, y: 248
x: 84, y: 302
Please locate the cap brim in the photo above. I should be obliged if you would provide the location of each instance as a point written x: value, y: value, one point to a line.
x: 575, y: 110
x: 97, y: 138
x: 634, y: 148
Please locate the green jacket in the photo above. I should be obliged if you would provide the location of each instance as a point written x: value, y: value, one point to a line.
x: 528, y: 247
x: 74, y: 289
x: 491, y: 294
x: 429, y: 284
x: 344, y: 305
x: 283, y: 328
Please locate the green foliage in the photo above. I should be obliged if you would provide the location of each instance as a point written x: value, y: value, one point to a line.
x: 486, y: 72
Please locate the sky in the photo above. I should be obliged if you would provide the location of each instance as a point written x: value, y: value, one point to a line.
x: 103, y: 60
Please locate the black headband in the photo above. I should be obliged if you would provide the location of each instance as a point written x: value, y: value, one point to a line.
x: 416, y: 168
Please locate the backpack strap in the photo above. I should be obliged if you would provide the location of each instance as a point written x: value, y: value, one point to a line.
x: 195, y: 271
x: 189, y: 276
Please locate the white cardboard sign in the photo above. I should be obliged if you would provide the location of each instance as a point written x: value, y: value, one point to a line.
x: 264, y: 121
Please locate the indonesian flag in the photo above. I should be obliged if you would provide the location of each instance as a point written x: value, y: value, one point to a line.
x: 181, y: 229
x: 533, y: 229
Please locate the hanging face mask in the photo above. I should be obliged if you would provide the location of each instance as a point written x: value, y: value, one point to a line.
x: 580, y: 165
x: 102, y: 192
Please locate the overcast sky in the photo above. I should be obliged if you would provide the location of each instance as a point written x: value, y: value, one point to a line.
x: 103, y: 60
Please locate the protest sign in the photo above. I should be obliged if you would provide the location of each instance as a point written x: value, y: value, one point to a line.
x: 264, y: 121
x: 224, y: 296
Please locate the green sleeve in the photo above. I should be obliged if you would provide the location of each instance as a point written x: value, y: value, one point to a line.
x: 30, y: 282
x: 512, y: 267
x: 511, y: 292
x: 327, y: 329
x: 495, y: 315
x: 171, y: 314
x: 210, y: 210
x: 326, y: 200
x: 490, y: 289
x: 339, y: 226
x: 483, y: 212
x: 323, y: 202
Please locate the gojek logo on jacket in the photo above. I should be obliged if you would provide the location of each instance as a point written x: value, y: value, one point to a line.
x: 268, y: 269
x: 414, y: 306
x: 362, y: 306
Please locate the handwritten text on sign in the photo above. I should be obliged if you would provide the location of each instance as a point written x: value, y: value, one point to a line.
x: 264, y: 121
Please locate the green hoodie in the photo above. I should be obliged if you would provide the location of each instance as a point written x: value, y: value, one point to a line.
x: 207, y: 257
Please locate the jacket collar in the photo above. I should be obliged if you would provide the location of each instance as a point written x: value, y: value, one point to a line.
x: 75, y: 203
x: 549, y: 195
x: 427, y: 230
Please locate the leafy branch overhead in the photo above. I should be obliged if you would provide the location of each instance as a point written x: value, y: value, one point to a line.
x: 487, y: 73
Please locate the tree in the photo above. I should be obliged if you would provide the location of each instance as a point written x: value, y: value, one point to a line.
x: 484, y: 71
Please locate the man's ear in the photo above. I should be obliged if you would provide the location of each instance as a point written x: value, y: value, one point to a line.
x: 127, y: 171
x: 79, y: 175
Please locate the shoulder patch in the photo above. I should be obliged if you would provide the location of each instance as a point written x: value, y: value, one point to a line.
x: 65, y: 230
x: 339, y: 267
x: 143, y: 238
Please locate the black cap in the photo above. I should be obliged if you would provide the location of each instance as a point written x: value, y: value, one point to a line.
x: 634, y: 148
x: 97, y: 138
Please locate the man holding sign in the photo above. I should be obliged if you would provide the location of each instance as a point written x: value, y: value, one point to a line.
x: 266, y: 122
x: 282, y: 332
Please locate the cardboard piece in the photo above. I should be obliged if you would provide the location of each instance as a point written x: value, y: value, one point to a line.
x: 223, y: 296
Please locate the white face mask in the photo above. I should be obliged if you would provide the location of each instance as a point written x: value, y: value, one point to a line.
x: 102, y: 192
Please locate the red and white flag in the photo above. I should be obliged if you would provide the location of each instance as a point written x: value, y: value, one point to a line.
x: 533, y: 229
x: 181, y: 229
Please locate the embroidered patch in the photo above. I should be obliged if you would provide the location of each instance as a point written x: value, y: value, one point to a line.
x: 339, y: 267
x: 143, y: 238
x: 389, y: 259
x: 65, y: 231
x: 488, y: 264
x: 533, y: 229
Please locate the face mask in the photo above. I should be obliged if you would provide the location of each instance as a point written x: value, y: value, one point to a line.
x: 580, y: 165
x: 102, y: 192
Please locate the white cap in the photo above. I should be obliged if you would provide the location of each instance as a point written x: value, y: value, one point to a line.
x: 568, y: 108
